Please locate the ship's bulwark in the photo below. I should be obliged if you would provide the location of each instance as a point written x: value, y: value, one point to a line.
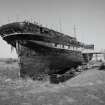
x: 40, y: 61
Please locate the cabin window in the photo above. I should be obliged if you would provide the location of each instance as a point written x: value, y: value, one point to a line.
x: 68, y: 46
x: 75, y: 48
x: 33, y: 52
x: 62, y: 46
x: 72, y: 48
x: 79, y: 48
x: 38, y: 30
x: 41, y: 30
x: 46, y: 31
x: 48, y: 44
x: 53, y: 44
x: 56, y: 44
x: 59, y: 46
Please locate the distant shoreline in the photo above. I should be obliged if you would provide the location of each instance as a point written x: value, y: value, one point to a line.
x: 8, y: 59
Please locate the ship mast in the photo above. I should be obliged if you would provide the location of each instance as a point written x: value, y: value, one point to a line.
x: 75, y: 35
x: 60, y: 25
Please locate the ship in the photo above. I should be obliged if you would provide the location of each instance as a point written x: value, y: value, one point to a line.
x: 43, y: 52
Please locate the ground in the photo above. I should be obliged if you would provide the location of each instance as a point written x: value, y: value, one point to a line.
x: 88, y: 88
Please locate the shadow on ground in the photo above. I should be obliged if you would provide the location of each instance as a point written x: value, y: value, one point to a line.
x: 88, y: 88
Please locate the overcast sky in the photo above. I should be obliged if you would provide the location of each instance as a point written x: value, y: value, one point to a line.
x: 88, y: 16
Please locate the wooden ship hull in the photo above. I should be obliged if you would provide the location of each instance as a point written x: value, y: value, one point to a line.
x: 41, y: 55
x: 43, y: 60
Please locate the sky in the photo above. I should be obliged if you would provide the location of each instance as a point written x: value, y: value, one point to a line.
x: 88, y: 16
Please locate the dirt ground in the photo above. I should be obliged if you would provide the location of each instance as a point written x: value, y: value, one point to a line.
x: 88, y: 88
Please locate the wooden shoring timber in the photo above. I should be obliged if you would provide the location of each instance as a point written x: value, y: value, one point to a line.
x: 19, y: 51
x: 18, y: 48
